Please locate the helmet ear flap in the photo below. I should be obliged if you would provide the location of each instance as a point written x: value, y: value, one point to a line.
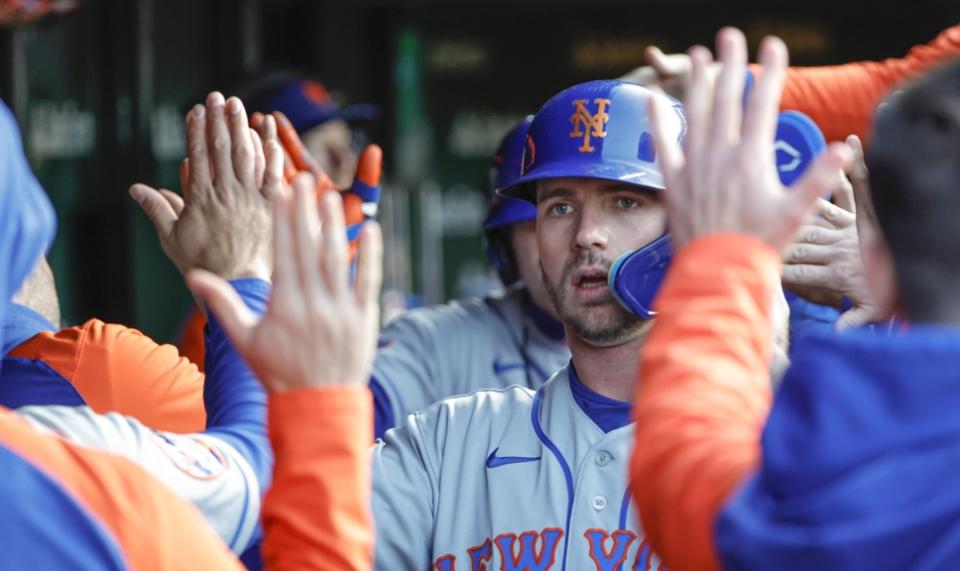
x: 499, y: 249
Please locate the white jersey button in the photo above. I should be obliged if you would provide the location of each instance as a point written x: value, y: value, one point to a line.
x: 599, y: 502
x: 603, y: 458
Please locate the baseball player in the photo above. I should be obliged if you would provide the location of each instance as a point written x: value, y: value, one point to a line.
x: 510, y: 338
x: 849, y: 467
x: 535, y: 478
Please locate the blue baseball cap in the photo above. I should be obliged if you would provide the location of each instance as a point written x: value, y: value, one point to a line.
x: 307, y: 103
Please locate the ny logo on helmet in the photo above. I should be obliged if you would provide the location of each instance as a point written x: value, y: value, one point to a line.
x: 589, y: 125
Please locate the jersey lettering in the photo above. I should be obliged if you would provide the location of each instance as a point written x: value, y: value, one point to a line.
x: 447, y: 562
x: 480, y: 555
x: 646, y: 559
x: 527, y: 558
x: 613, y: 559
x: 537, y: 551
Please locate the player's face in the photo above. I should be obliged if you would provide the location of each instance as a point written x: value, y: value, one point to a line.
x: 583, y: 226
x: 330, y: 144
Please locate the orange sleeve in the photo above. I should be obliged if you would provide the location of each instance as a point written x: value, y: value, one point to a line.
x: 191, y: 343
x: 118, y: 369
x: 154, y: 527
x: 842, y: 98
x: 703, y: 393
x: 317, y: 514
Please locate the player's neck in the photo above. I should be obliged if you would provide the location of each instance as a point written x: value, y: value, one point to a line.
x: 609, y: 371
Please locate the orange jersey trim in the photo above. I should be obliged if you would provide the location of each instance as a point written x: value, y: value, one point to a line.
x: 317, y: 514
x: 119, y: 369
x: 703, y: 393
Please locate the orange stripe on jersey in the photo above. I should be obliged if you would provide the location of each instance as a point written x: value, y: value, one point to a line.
x: 155, y: 528
x: 703, y: 393
x: 118, y: 369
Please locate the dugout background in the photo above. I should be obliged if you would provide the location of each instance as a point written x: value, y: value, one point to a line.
x: 100, y: 94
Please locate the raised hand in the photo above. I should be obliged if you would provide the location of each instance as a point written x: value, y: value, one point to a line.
x: 723, y: 179
x: 222, y: 222
x: 360, y: 201
x: 318, y: 329
x: 823, y: 263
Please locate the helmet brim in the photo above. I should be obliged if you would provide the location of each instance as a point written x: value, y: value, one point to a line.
x: 525, y: 188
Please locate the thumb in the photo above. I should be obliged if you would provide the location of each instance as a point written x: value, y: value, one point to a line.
x: 854, y: 317
x: 661, y: 62
x: 232, y: 314
x: 156, y: 207
x: 820, y: 177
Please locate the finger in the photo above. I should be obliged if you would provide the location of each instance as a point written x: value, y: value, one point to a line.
x: 659, y: 61
x: 814, y: 234
x: 242, y: 150
x: 156, y: 207
x: 836, y: 216
x: 728, y: 94
x: 200, y: 178
x: 307, y: 238
x: 227, y: 306
x: 185, y: 178
x: 859, y: 179
x: 366, y: 185
x: 843, y: 194
x: 333, y: 257
x: 269, y: 128
x: 174, y: 199
x: 807, y: 275
x: 814, y: 219
x: 369, y: 265
x: 818, y: 179
x: 763, y: 103
x: 284, y: 257
x: 699, y: 94
x: 664, y: 138
x: 218, y: 140
x: 273, y: 181
x: 801, y: 253
x: 301, y: 158
x: 854, y: 317
x: 260, y: 161
x: 256, y: 122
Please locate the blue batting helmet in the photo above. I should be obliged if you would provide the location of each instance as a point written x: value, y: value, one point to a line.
x: 507, y: 163
x: 599, y: 129
x: 504, y: 211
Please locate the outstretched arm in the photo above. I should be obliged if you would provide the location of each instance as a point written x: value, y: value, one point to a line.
x: 704, y: 387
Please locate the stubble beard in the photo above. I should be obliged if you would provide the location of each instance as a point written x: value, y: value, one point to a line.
x: 615, y: 327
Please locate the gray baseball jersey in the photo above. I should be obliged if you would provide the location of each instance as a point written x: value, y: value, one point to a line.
x: 510, y: 479
x: 200, y: 468
x: 432, y: 353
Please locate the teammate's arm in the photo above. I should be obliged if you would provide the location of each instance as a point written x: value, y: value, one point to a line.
x: 313, y: 348
x: 840, y: 98
x: 704, y: 388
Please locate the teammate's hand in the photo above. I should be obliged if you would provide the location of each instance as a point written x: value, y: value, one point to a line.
x: 360, y: 201
x: 222, y: 222
x: 668, y: 72
x: 724, y: 179
x: 823, y: 263
x: 318, y: 329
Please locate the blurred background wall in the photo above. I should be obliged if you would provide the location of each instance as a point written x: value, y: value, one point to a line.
x: 100, y: 94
